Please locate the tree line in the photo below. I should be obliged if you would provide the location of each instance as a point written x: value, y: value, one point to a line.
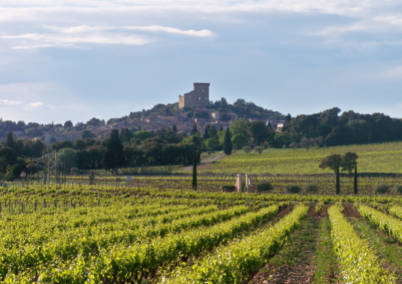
x: 124, y: 149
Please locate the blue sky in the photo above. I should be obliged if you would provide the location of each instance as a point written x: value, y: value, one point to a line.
x: 80, y: 59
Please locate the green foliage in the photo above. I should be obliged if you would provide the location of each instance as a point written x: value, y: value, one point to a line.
x: 348, y: 161
x: 142, y: 135
x: 260, y: 133
x: 293, y: 188
x: 228, y: 188
x: 398, y: 188
x: 227, y: 144
x: 239, y: 141
x: 212, y: 143
x: 114, y: 156
x: 351, y: 249
x: 332, y: 161
x: 194, y: 130
x: 247, y: 149
x: 382, y: 188
x: 310, y: 188
x: 259, y: 149
x: 264, y: 186
x: 239, y: 127
x: 87, y: 134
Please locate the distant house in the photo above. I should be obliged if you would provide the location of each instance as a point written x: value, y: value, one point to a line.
x: 279, y: 127
x: 51, y: 137
x: 216, y: 115
x: 72, y: 136
x: 16, y: 133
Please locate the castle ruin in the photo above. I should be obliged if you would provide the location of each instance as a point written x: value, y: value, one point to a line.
x: 199, y: 96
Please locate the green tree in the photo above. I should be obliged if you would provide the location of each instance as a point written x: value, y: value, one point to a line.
x: 212, y: 143
x: 114, y: 155
x: 206, y: 132
x: 174, y: 128
x: 239, y: 126
x: 10, y: 140
x: 142, y: 135
x: 260, y: 132
x: 239, y: 141
x: 349, y: 161
x: 227, y: 144
x: 195, y: 130
x: 87, y: 134
x: 125, y: 135
x: 68, y: 158
x: 68, y: 124
x: 194, y: 182
x: 212, y: 132
x: 79, y: 144
x: 333, y: 162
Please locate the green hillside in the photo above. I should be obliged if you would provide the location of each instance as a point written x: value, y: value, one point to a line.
x: 373, y: 158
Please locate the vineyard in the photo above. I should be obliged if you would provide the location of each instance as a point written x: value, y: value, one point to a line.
x: 155, y: 229
x: 143, y: 234
x: 373, y: 158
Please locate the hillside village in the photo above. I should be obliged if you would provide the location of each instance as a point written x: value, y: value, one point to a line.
x: 193, y: 108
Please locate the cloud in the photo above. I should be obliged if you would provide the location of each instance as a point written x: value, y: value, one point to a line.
x: 69, y: 37
x: 394, y: 73
x: 54, y: 40
x: 10, y: 103
x: 154, y: 28
x: 37, y: 106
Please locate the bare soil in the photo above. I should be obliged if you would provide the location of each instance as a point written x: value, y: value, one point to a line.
x: 285, y: 211
x: 294, y: 263
x: 312, y: 214
x: 350, y: 211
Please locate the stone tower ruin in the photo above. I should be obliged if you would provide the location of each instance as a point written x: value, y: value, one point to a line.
x: 199, y: 96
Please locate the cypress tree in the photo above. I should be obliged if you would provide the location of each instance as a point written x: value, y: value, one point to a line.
x: 206, y: 133
x: 338, y: 188
x: 195, y: 171
x: 227, y: 143
x: 195, y: 130
x: 355, y: 190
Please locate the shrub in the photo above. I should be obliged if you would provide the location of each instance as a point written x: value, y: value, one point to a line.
x: 259, y: 149
x: 310, y: 188
x: 382, y: 188
x: 247, y: 149
x: 293, y: 188
x: 264, y: 186
x: 228, y: 188
x: 398, y: 188
x: 75, y: 171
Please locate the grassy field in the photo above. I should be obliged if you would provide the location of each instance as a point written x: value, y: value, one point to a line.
x: 373, y: 158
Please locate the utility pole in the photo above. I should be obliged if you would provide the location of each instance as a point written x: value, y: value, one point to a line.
x: 55, y: 167
x: 48, y: 165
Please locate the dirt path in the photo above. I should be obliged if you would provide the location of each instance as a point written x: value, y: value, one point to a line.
x: 295, y: 262
x: 350, y: 211
x: 217, y: 157
x: 312, y: 214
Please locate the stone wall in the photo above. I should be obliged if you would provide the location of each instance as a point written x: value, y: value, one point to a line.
x: 199, y: 96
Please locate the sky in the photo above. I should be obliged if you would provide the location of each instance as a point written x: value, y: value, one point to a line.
x: 73, y: 60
